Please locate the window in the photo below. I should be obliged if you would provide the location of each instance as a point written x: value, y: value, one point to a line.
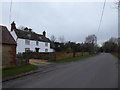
x: 37, y: 43
x: 29, y: 35
x: 27, y: 49
x: 46, y: 44
x: 27, y: 42
x: 46, y: 50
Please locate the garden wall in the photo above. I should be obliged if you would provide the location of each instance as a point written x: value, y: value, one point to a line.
x: 52, y: 56
x: 8, y: 56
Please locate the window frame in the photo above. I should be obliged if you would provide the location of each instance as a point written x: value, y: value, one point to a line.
x: 27, y: 42
x: 46, y: 44
x: 27, y: 49
x: 37, y: 43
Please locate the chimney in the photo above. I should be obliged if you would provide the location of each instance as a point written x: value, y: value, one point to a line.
x: 13, y: 26
x: 44, y: 33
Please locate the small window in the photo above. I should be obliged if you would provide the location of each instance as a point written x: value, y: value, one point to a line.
x: 27, y: 42
x: 46, y: 43
x: 27, y: 49
x: 37, y: 43
x: 46, y: 50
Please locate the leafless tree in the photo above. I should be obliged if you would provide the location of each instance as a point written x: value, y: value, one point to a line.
x: 21, y: 27
x: 91, y: 42
x: 111, y: 45
x: 118, y: 4
x: 61, y: 39
x: 53, y: 38
x: 92, y: 39
x: 113, y: 40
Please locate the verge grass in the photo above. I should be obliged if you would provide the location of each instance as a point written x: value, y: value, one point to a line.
x: 116, y: 54
x: 17, y: 70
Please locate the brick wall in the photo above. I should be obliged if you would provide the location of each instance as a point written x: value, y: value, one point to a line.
x: 62, y: 55
x: 8, y: 56
x: 36, y: 55
x: 52, y: 56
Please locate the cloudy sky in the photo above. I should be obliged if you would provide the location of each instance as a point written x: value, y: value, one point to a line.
x: 73, y: 20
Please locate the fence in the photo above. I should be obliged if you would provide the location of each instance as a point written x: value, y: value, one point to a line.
x: 22, y: 59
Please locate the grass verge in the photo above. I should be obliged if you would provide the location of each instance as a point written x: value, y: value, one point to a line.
x: 17, y: 70
x: 116, y: 54
x: 72, y: 59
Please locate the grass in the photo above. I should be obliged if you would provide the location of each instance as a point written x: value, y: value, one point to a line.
x: 72, y: 59
x: 17, y: 70
x: 116, y: 54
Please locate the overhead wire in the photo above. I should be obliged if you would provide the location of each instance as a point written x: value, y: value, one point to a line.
x: 101, y: 18
x: 10, y: 12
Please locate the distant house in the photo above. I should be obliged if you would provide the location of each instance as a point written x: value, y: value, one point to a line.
x: 8, y: 49
x: 28, y: 41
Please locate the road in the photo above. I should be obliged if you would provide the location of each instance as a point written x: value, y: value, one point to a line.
x: 100, y: 71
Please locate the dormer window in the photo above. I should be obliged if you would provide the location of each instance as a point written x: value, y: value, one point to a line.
x: 29, y: 35
x: 40, y: 38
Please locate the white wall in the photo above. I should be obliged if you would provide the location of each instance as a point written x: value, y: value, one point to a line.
x: 21, y: 46
x: 14, y: 35
x: 52, y: 50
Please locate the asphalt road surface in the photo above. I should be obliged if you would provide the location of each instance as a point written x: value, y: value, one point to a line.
x: 100, y: 71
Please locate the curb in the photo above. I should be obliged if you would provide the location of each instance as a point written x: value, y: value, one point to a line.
x: 40, y: 69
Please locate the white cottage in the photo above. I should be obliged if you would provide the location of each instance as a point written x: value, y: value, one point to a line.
x: 30, y: 41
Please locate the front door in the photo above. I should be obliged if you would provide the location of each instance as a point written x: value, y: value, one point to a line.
x: 37, y: 49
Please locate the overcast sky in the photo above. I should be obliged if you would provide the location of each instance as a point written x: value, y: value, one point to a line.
x: 73, y: 20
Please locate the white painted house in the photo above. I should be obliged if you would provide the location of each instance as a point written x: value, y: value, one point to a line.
x: 30, y: 41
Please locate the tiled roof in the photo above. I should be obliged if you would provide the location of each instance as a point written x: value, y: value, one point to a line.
x: 30, y: 35
x: 6, y: 36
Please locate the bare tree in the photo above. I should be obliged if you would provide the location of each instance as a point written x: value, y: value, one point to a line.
x: 111, y: 45
x: 61, y: 39
x: 21, y: 27
x: 113, y: 40
x: 91, y: 39
x: 53, y: 38
x: 91, y: 42
x: 118, y: 4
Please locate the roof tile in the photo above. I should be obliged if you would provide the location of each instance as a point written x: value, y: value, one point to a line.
x: 6, y: 36
x: 30, y: 35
